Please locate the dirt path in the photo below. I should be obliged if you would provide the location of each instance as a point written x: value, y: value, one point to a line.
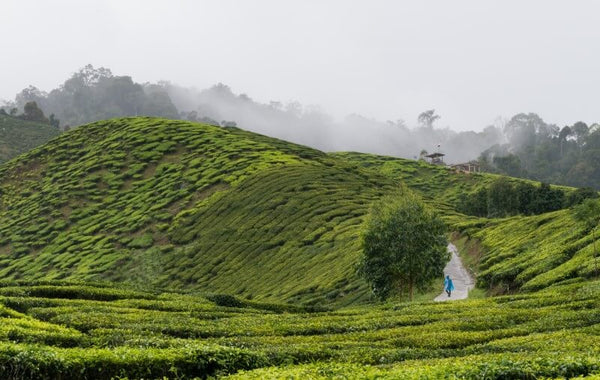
x: 463, y: 282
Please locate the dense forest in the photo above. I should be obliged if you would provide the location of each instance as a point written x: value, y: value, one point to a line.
x: 93, y: 94
x: 534, y: 149
x: 524, y: 146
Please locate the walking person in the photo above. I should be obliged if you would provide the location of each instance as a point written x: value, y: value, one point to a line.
x: 448, y: 285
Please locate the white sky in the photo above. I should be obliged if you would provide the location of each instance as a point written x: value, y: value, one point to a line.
x: 470, y: 60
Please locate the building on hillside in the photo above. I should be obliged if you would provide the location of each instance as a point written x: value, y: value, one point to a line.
x: 467, y: 167
x: 436, y: 158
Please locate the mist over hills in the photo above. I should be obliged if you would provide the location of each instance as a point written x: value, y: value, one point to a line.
x: 93, y: 94
x: 523, y: 146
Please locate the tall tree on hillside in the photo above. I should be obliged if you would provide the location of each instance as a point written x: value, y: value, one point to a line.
x: 427, y: 118
x: 563, y: 136
x: 32, y: 112
x: 580, y: 130
x: 404, y: 246
x: 503, y: 199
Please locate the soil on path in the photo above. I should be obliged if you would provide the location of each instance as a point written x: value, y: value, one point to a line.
x: 463, y: 282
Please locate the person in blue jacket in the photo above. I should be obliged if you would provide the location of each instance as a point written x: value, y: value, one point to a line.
x: 448, y: 285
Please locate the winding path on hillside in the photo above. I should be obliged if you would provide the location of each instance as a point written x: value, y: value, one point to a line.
x: 463, y: 282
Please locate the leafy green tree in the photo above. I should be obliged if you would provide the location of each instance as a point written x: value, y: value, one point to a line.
x: 32, y: 112
x: 54, y: 121
x: 502, y: 198
x: 404, y: 246
x: 547, y: 199
x: 474, y: 203
x: 525, y: 194
x: 427, y: 118
x: 578, y: 196
x: 580, y: 130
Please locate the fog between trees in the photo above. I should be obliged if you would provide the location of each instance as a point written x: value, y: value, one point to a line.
x: 524, y: 145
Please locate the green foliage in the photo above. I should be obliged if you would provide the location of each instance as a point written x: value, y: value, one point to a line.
x: 403, y: 245
x: 189, y: 206
x: 588, y: 212
x: 543, y: 152
x: 581, y: 194
x: 93, y: 94
x: 533, y: 252
x: 505, y: 197
x: 502, y: 199
x: 147, y: 334
x: 246, y: 218
x: 32, y: 112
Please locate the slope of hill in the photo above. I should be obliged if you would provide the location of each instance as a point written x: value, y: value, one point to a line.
x: 534, y: 252
x: 519, y: 253
x: 18, y: 136
x: 173, y: 204
x: 183, y: 205
x: 440, y: 184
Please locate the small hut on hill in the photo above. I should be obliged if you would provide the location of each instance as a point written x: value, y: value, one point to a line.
x: 467, y: 167
x: 436, y: 158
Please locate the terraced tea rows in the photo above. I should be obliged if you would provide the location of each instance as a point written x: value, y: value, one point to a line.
x: 98, y: 331
x: 531, y: 253
x: 184, y: 212
x: 184, y: 205
x: 190, y: 206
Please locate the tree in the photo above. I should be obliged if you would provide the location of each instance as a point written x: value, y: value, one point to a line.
x: 580, y: 129
x: 547, y: 199
x: 581, y: 194
x: 427, y: 118
x: 563, y: 136
x: 475, y: 203
x: 32, y: 112
x: 404, y: 246
x: 228, y: 124
x: 525, y: 194
x: 503, y: 199
x: 54, y: 121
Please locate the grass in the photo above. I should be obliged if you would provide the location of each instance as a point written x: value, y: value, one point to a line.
x: 19, y: 136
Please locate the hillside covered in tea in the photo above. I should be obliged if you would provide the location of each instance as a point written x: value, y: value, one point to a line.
x: 182, y: 205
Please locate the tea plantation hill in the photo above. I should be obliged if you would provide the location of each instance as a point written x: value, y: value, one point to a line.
x: 18, y: 136
x: 523, y: 253
x: 182, y: 205
x: 174, y: 199
x: 188, y: 206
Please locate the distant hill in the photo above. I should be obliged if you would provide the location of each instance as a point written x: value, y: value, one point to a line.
x: 183, y: 205
x: 18, y: 136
